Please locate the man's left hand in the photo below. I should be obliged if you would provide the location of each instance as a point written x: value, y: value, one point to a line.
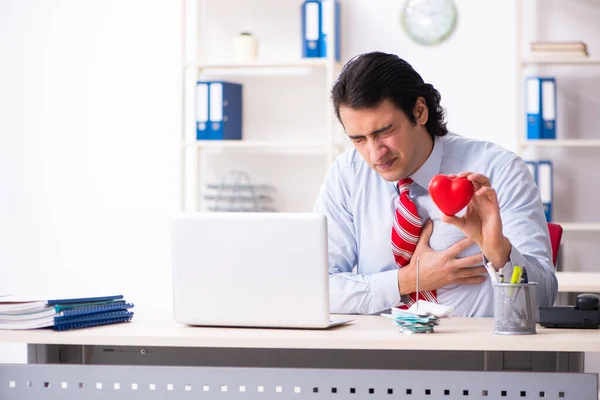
x: 481, y: 222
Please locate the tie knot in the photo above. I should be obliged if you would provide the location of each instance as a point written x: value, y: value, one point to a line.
x: 404, y: 184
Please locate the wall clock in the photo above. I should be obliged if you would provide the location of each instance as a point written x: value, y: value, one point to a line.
x: 429, y: 22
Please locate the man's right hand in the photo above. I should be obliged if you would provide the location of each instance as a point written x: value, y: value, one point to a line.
x: 440, y: 268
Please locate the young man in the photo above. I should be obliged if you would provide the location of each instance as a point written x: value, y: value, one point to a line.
x: 381, y: 218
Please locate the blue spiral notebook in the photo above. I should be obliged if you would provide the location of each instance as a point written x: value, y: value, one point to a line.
x: 64, y: 313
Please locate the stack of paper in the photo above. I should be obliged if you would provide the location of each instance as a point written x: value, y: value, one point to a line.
x: 18, y: 312
x: 421, y: 317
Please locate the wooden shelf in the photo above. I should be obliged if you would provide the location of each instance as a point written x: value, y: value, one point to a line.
x: 578, y: 281
x: 580, y: 226
x: 560, y: 143
x: 560, y: 60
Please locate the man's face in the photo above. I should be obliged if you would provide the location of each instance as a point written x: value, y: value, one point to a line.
x: 387, y: 140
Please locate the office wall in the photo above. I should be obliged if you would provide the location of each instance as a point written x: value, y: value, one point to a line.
x: 89, y: 127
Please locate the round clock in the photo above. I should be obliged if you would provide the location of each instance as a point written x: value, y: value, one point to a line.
x: 429, y: 22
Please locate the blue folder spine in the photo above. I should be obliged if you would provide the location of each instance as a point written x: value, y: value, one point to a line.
x: 311, y: 21
x: 548, y: 108
x: 540, y: 100
x: 225, y: 110
x: 533, y: 93
x: 202, y: 121
x: 326, y: 28
x: 532, y: 165
x: 545, y: 175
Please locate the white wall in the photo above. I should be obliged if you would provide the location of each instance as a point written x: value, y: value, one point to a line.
x: 474, y: 70
x: 89, y: 133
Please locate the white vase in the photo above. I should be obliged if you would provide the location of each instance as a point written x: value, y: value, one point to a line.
x: 245, y: 47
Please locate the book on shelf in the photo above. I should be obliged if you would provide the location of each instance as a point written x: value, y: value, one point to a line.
x: 559, y: 49
x: 60, y: 314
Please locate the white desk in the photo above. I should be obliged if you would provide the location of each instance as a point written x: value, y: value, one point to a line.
x: 365, y: 333
x: 371, y: 356
x: 578, y: 281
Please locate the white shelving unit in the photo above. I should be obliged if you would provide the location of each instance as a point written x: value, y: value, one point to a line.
x: 202, y: 27
x: 568, y: 281
x: 580, y: 227
x: 560, y: 143
x: 559, y: 60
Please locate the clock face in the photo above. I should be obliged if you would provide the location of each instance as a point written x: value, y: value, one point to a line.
x: 429, y: 22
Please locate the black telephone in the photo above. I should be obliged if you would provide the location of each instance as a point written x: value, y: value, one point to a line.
x: 585, y: 314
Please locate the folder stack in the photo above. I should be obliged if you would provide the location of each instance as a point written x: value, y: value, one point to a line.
x: 62, y: 314
x: 540, y: 100
x: 218, y: 110
x: 559, y: 49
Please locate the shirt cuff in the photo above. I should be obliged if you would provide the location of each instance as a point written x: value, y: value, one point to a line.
x: 384, y: 289
x: 515, y: 258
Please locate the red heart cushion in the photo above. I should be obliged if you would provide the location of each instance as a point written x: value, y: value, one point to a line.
x: 450, y: 194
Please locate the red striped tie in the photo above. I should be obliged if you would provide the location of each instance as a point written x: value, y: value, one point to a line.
x: 405, y: 235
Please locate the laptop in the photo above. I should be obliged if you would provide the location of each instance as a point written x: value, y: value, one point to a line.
x: 266, y: 270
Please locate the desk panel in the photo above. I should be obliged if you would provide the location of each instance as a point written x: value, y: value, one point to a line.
x: 66, y: 382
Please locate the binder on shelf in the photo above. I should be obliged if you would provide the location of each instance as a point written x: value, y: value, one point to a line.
x: 548, y: 108
x: 202, y: 111
x: 311, y: 27
x: 545, y: 184
x: 317, y: 25
x: 543, y: 175
x: 328, y: 7
x: 532, y: 165
x: 224, y: 110
x: 540, y: 100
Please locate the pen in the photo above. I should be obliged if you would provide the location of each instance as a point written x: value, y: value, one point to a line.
x: 524, y: 278
x: 515, y: 279
x: 501, y: 276
x: 491, y: 271
x: 516, y: 276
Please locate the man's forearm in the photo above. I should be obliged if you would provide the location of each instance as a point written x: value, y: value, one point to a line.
x: 498, y: 254
x: 406, y: 281
x: 363, y: 294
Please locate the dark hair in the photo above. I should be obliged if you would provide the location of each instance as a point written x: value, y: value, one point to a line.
x: 368, y: 79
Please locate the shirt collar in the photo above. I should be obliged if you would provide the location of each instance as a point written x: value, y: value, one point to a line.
x: 431, y: 166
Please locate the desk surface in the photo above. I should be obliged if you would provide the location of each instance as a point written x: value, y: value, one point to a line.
x: 366, y: 332
x: 578, y: 281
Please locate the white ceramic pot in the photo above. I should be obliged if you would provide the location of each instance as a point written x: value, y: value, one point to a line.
x: 245, y: 47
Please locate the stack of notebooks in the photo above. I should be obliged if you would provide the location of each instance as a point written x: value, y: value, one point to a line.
x: 421, y: 317
x: 63, y: 314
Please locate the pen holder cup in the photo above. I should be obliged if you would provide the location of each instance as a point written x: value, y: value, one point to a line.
x: 515, y: 308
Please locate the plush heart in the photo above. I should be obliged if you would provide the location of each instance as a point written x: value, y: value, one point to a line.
x: 450, y: 194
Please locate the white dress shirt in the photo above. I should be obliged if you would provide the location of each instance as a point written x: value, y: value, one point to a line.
x: 359, y: 206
